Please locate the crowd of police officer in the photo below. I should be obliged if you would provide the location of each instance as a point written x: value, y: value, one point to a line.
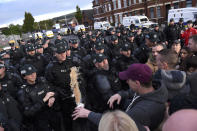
x: 35, y: 91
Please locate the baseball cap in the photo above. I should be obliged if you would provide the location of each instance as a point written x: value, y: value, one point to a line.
x: 171, y: 20
x: 114, y: 37
x: 99, y: 46
x: 74, y: 41
x: 140, y: 72
x: 125, y: 47
x: 189, y: 22
x: 30, y: 47
x: 98, y: 58
x: 28, y: 69
x: 38, y: 46
x: 153, y: 37
x: 60, y: 48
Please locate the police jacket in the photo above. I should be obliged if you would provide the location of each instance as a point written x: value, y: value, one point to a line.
x: 161, y: 36
x: 124, y: 62
x: 15, y: 55
x: 58, y: 74
x: 31, y: 97
x: 38, y: 61
x: 11, y: 83
x: 171, y: 33
x: 102, y: 85
x: 10, y: 111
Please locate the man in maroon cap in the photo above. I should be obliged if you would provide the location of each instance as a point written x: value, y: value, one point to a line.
x: 144, y: 102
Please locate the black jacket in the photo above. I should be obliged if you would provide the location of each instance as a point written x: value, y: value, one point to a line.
x: 11, y: 83
x: 58, y: 74
x: 171, y: 33
x: 10, y: 111
x: 147, y: 109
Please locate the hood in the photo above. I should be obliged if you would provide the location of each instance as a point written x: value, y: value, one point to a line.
x: 173, y: 79
x: 160, y: 94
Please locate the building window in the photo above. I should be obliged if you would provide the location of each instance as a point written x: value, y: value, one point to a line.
x: 114, y: 2
x: 176, y: 5
x: 125, y: 3
x: 188, y: 3
x: 116, y: 19
x: 140, y: 1
x: 106, y: 8
x: 109, y: 6
x: 129, y: 2
x: 151, y: 12
x: 111, y: 19
x: 96, y: 2
x: 119, y: 4
x: 130, y: 13
x: 120, y: 16
x: 134, y: 1
x: 158, y: 11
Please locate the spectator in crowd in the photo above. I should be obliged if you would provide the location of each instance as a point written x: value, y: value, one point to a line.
x: 184, y: 120
x: 117, y: 121
x: 172, y: 79
x: 152, y: 59
x: 193, y: 44
x: 176, y: 46
x: 186, y: 101
x: 189, y: 32
x: 184, y: 55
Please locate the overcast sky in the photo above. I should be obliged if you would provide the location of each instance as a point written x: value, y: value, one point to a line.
x: 12, y: 11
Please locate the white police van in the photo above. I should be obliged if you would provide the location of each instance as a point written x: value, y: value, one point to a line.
x: 139, y: 21
x: 189, y: 13
x: 104, y: 25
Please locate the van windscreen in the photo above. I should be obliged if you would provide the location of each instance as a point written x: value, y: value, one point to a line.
x: 144, y: 20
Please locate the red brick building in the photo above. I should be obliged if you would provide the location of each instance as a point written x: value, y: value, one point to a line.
x: 156, y: 10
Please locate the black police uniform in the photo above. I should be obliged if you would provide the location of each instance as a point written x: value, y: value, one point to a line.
x: 15, y: 55
x: 124, y: 62
x: 58, y: 74
x: 38, y: 61
x: 10, y: 110
x: 171, y: 33
x: 114, y: 49
x: 11, y: 83
x: 102, y: 84
x: 161, y: 36
x: 36, y: 111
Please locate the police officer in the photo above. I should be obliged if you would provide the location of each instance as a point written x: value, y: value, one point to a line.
x: 15, y: 53
x: 131, y: 41
x: 5, y: 57
x: 171, y: 33
x: 38, y: 61
x: 114, y: 48
x: 160, y: 34
x: 9, y: 108
x: 102, y: 83
x: 181, y: 28
x: 39, y: 101
x: 59, y: 39
x: 58, y: 73
x: 126, y: 58
x: 142, y: 53
x: 77, y: 50
x: 10, y: 82
x: 40, y: 52
x: 139, y: 37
